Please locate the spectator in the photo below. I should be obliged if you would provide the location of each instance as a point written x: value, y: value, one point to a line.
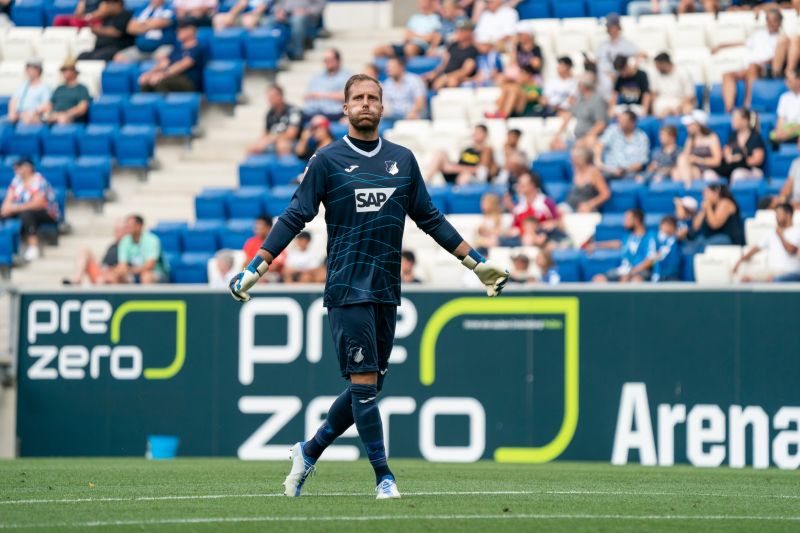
x: 302, y: 264
x: 459, y: 61
x: 30, y: 100
x: 666, y: 260
x: 560, y: 91
x: 589, y: 189
x: 790, y: 192
x: 702, y: 6
x: 522, y: 98
x: 607, y: 51
x: 182, y: 70
x: 491, y: 226
x: 449, y: 14
x: 637, y: 8
x: 244, y: 13
x: 324, y: 94
x: 685, y: 211
x: 70, y: 101
x: 283, y: 122
x: 514, y: 159
x: 488, y: 68
x: 139, y: 255
x: 496, y: 24
x: 623, y: 150
x: 221, y: 269
x: 404, y: 93
x: 664, y: 158
x: 718, y: 221
x: 533, y: 203
x: 111, y: 31
x: 317, y: 135
x: 547, y: 268
x: 787, y: 127
x: 407, y: 263
x: 782, y: 247
x: 154, y: 32
x: 520, y: 269
x: 744, y: 155
x: 84, y: 15
x: 672, y: 89
x: 421, y: 33
x: 590, y: 112
x: 476, y: 162
x: 632, y: 88
x: 31, y: 199
x: 702, y: 152
x: 767, y: 50
x: 197, y: 12
x: 372, y: 70
x: 261, y: 228
x: 104, y: 272
x: 638, y: 248
x: 544, y: 235
x: 301, y: 16
x: 524, y: 52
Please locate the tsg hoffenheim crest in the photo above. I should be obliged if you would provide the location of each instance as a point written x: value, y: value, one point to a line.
x: 391, y: 167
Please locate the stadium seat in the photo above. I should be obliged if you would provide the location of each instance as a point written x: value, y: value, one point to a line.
x: 247, y: 202
x: 6, y: 248
x: 134, y: 146
x: 715, y: 102
x: 422, y: 64
x: 552, y: 167
x: 651, y: 126
x: 285, y: 170
x: 106, y: 109
x: 466, y: 199
x: 624, y: 195
x: 96, y: 140
x: 178, y: 114
x: 120, y: 78
x: 7, y: 171
x: 191, y: 267
x: 169, y: 233
x: 61, y: 140
x: 610, y: 228
x: 276, y: 200
x: 746, y: 193
x: 254, y: 171
x: 26, y: 140
x: 534, y: 9
x: 202, y: 237
x: 236, y: 233
x: 211, y: 204
x: 557, y: 191
x: 4, y: 105
x: 721, y: 125
x: 90, y: 177
x: 222, y: 81
x: 766, y: 94
x: 601, y: 8
x: 567, y: 8
x: 439, y: 196
x: 28, y: 13
x: 141, y: 109
x: 12, y: 226
x: 653, y: 220
x: 53, y: 8
x: 659, y: 197
x: 779, y: 164
x: 599, y: 262
x: 262, y: 48
x: 226, y: 44
x: 568, y: 264
x: 56, y: 169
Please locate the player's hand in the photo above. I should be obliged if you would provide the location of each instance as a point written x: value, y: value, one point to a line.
x: 493, y: 276
x: 242, y: 282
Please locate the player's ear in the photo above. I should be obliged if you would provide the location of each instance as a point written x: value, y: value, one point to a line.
x: 344, y: 108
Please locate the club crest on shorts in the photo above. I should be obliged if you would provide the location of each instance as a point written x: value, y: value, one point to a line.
x: 391, y: 167
x: 358, y: 355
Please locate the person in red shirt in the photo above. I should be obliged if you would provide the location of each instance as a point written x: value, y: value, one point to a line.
x: 533, y: 203
x: 261, y: 229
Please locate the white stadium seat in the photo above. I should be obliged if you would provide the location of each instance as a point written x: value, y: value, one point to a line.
x: 692, y: 37
x: 581, y: 226
x: 569, y: 42
x: 725, y: 34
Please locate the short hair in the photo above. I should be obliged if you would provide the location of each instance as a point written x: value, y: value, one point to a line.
x: 638, y: 214
x: 515, y: 131
x: 671, y: 220
x: 775, y: 12
x: 663, y: 57
x: 336, y: 53
x: 357, y: 78
x: 408, y: 255
x: 137, y: 218
x: 275, y: 87
x: 304, y: 235
x: 631, y: 115
x: 620, y: 62
x: 786, y: 207
x: 672, y: 131
x: 400, y: 59
x: 482, y: 127
x: 565, y: 60
x: 265, y: 220
x: 529, y: 69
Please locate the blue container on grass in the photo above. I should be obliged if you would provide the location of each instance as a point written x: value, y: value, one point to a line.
x: 162, y: 446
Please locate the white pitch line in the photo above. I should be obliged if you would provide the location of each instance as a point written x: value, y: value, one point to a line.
x: 361, y: 518
x: 420, y: 493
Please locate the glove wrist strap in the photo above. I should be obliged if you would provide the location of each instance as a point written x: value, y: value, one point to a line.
x: 258, y: 266
x: 472, y: 259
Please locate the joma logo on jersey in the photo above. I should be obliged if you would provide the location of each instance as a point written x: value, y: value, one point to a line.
x: 368, y: 200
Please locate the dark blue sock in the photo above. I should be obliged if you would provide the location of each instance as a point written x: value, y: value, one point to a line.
x: 370, y: 428
x: 340, y: 417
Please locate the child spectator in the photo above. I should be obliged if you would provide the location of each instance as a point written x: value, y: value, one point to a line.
x: 523, y: 98
x: 560, y: 91
x: 491, y: 225
x: 666, y: 261
x: 547, y: 268
x: 664, y: 158
x: 302, y: 264
x: 407, y: 263
x: 632, y: 88
x: 520, y: 269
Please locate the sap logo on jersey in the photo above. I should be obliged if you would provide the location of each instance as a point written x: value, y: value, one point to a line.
x: 368, y: 200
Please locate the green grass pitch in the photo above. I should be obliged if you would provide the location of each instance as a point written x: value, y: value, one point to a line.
x: 226, y: 494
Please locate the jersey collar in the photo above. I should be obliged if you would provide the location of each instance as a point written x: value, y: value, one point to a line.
x: 362, y: 152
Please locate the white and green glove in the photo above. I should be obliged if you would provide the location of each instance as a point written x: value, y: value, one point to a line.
x: 242, y: 282
x: 492, y: 275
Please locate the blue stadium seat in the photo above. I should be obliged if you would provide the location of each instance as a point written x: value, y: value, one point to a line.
x: 601, y: 8
x: 191, y: 268
x: 773, y: 187
x: 285, y: 170
x: 747, y: 193
x: 700, y: 95
x: 222, y: 81
x: 90, y: 177
x: 696, y: 189
x: 169, y: 233
x: 26, y: 140
x: 7, y: 171
x: 552, y: 167
x: 568, y: 264
x: 178, y: 113
x: 236, y: 233
x: 262, y: 48
x: 721, y: 125
x: 567, y: 8
x: 466, y: 199
x: 653, y: 220
x: 610, y: 228
x: 651, y: 126
x: 120, y: 78
x: 254, y: 171
x: 61, y: 140
x: 96, y: 140
x: 439, y: 196
x: 276, y: 200
x: 599, y: 262
x: 247, y: 202
x: 767, y: 124
x: 779, y: 164
x: 6, y: 248
x: 56, y: 170
x: 558, y: 191
x: 53, y: 8
x: 134, y: 146
x: 4, y: 105
x: 422, y: 64
x: 106, y: 109
x: 624, y: 195
x: 28, y: 13
x: 13, y: 226
x: 676, y: 122
x: 141, y: 109
x: 534, y: 9
x: 201, y: 238
x: 227, y: 44
x: 211, y: 204
x: 659, y: 198
x: 766, y: 94
x: 716, y: 103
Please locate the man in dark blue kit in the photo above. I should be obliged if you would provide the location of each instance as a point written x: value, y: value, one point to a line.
x: 368, y: 186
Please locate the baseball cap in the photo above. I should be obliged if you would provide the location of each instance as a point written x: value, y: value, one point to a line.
x: 69, y: 64
x: 34, y: 62
x: 612, y: 19
x: 465, y: 24
x: 697, y: 116
x: 689, y: 202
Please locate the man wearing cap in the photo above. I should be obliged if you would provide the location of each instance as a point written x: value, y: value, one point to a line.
x: 672, y: 88
x: 459, y: 61
x: 70, y: 101
x: 112, y: 31
x: 154, y: 30
x: 182, y: 70
x: 283, y: 122
x: 607, y: 51
x: 29, y: 101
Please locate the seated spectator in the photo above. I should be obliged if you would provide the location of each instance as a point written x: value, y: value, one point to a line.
x: 197, y: 12
x: 702, y: 152
x: 787, y: 127
x: 637, y: 8
x: 488, y: 67
x: 31, y: 199
x: 672, y: 89
x: 302, y: 264
x: 663, y: 159
x: 154, y: 32
x: 102, y: 272
x: 372, y: 70
x: 514, y: 160
x: 745, y: 154
x: 632, y: 88
x: 520, y: 99
x: 139, y: 255
x: 782, y: 247
x: 449, y: 14
x: 496, y: 23
x: 560, y: 91
x: 182, y: 70
x: 261, y: 228
x: 404, y: 93
x: 407, y: 263
x: 533, y: 203
x: 607, y: 51
x: 547, y: 268
x: 702, y: 6
x: 520, y: 269
x: 685, y: 210
x: 623, y: 150
x: 244, y: 13
x: 491, y: 226
x: 767, y: 51
x: 590, y: 112
x: 524, y: 52
x: 589, y: 189
x: 29, y: 102
x: 324, y: 95
x: 637, y: 249
x: 283, y: 122
x: 476, y: 162
x: 85, y: 14
x: 301, y: 16
x: 111, y: 31
x: 70, y: 101
x: 421, y: 33
x: 666, y: 260
x: 547, y: 235
x: 317, y: 135
x: 459, y: 61
x: 718, y: 221
x: 222, y: 269
x: 790, y: 192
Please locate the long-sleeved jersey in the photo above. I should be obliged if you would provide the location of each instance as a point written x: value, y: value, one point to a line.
x: 367, y: 196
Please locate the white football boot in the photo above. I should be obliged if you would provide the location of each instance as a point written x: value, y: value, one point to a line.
x: 387, y: 489
x: 300, y: 471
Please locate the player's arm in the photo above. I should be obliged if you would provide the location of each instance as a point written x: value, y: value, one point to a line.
x: 430, y: 220
x: 302, y: 209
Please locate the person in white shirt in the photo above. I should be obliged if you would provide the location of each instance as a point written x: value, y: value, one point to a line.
x: 497, y: 23
x: 767, y: 52
x: 672, y: 89
x: 302, y: 264
x: 404, y: 93
x: 782, y: 246
x: 560, y: 91
x: 607, y: 52
x: 221, y: 268
x: 30, y: 100
x: 421, y: 33
x: 787, y: 127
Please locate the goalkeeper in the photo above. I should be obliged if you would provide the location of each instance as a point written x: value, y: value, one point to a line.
x: 368, y: 186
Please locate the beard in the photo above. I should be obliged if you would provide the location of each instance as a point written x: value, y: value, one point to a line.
x: 364, y: 123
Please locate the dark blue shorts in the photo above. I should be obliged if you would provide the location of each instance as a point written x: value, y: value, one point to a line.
x: 363, y: 335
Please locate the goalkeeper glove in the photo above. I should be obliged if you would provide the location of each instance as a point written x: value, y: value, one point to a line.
x: 244, y: 280
x: 493, y: 276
